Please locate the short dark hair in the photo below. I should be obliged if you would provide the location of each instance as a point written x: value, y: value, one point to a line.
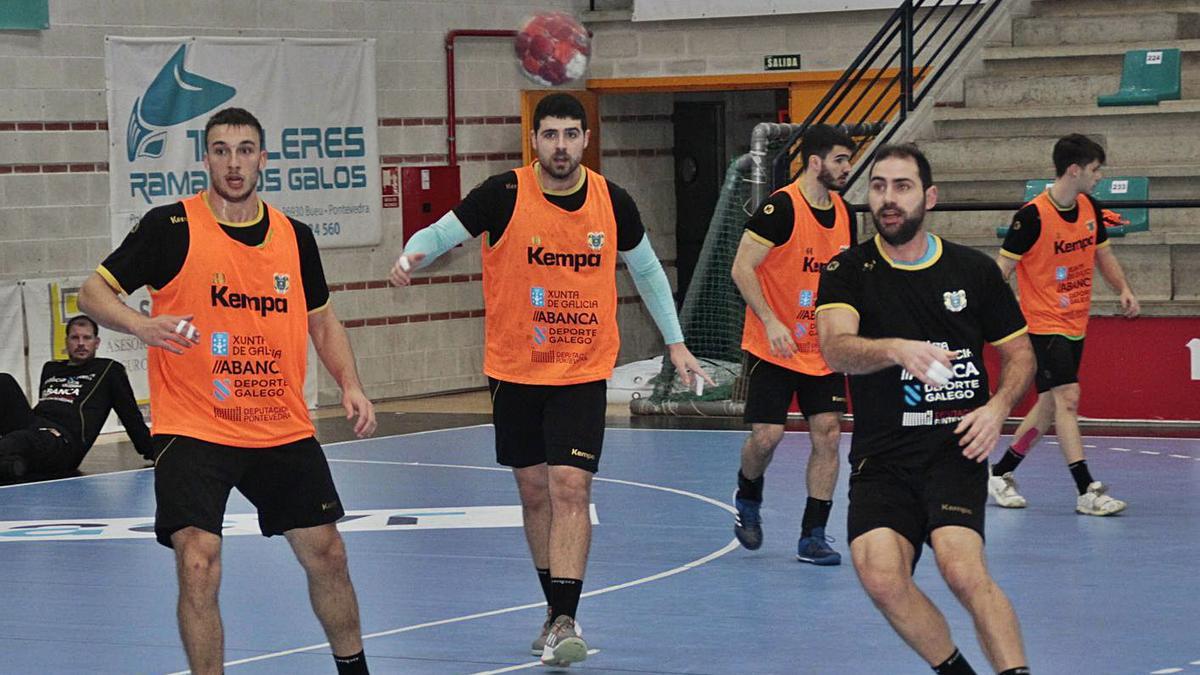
x: 83, y: 318
x: 564, y: 106
x: 820, y: 139
x: 1075, y: 149
x: 234, y: 117
x: 906, y: 151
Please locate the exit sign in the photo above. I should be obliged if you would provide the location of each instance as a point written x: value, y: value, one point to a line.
x: 781, y: 62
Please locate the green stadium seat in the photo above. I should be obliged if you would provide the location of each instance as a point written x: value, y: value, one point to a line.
x: 1147, y: 77
x: 1107, y: 189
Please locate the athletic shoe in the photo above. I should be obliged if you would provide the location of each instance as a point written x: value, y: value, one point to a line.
x: 815, y: 549
x: 12, y: 466
x: 1096, y: 502
x: 1003, y: 489
x: 540, y: 643
x: 747, y: 526
x: 564, y: 644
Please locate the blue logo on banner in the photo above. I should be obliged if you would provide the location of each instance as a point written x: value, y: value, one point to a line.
x: 220, y: 344
x: 912, y: 394
x: 537, y: 296
x: 806, y: 298
x: 174, y: 97
x: 1060, y: 273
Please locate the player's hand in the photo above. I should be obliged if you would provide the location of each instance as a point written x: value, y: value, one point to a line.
x: 979, y: 430
x: 402, y: 271
x: 926, y: 362
x: 686, y: 365
x: 1130, y: 307
x: 783, y: 344
x: 172, y: 332
x: 356, y: 404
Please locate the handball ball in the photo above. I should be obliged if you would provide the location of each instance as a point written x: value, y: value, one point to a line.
x: 552, y: 48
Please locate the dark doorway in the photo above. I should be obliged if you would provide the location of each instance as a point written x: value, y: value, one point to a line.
x: 699, y: 168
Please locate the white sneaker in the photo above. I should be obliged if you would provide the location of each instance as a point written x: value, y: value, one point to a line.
x: 1096, y: 502
x: 564, y: 644
x: 539, y: 643
x: 1003, y: 489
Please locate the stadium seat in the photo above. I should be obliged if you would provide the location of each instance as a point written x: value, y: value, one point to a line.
x: 1107, y: 189
x: 1147, y: 77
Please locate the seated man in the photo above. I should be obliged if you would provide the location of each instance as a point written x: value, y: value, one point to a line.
x: 74, y: 398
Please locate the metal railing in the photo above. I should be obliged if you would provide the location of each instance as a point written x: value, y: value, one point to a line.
x: 877, y: 94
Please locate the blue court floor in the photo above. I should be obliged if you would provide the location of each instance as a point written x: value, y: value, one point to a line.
x: 446, y: 586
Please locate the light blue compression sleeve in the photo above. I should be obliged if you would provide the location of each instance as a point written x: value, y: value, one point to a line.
x: 652, y: 285
x: 438, y: 238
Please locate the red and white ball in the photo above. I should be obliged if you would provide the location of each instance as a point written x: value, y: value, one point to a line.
x: 553, y: 48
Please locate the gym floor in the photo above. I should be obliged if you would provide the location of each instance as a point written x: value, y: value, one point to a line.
x: 446, y: 586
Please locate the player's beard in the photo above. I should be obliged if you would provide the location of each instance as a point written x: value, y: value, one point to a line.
x: 550, y: 168
x: 251, y: 183
x: 903, y: 233
x: 826, y: 178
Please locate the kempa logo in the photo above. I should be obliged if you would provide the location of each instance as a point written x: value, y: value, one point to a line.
x: 540, y: 256
x: 174, y: 97
x: 1077, y: 245
x: 263, y: 304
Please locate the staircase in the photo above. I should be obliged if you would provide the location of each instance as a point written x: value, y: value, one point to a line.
x: 1064, y: 53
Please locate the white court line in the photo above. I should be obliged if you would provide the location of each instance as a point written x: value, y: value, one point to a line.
x: 1166, y: 671
x: 1148, y: 452
x: 733, y: 545
x: 524, y: 666
x: 1121, y: 449
x: 1181, y: 456
x: 60, y: 480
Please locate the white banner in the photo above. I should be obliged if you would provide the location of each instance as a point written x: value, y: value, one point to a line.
x: 666, y: 10
x: 314, y: 98
x: 12, y: 335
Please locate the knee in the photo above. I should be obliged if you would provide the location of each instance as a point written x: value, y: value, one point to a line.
x: 884, y: 586
x: 534, y: 492
x: 764, y: 439
x: 328, y: 557
x: 570, y: 487
x: 198, y: 566
x: 965, y: 579
x: 1067, y: 398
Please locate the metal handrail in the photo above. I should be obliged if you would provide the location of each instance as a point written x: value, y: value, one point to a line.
x: 918, y: 73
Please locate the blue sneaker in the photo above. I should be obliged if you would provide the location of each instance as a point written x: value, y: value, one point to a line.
x: 747, y: 526
x: 815, y: 549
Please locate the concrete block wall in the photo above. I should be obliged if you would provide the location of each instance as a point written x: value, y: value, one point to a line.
x: 425, y: 339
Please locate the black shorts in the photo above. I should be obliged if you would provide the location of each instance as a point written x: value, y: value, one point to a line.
x: 1058, y: 359
x: 772, y: 387
x: 552, y: 424
x: 915, y: 498
x: 290, y: 485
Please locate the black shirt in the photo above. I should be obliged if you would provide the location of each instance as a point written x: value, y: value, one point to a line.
x: 1027, y: 225
x: 78, y: 398
x: 490, y: 206
x: 775, y: 219
x: 155, y: 250
x: 958, y: 300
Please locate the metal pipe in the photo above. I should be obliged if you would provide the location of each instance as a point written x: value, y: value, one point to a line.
x: 451, y: 141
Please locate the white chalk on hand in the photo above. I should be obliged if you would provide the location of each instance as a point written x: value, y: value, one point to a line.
x: 941, y: 375
x: 698, y: 384
x: 403, y: 263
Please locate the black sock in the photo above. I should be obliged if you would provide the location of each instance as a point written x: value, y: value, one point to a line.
x: 565, y: 593
x: 1007, y: 464
x: 1023, y: 670
x: 955, y: 665
x: 355, y: 664
x: 816, y: 514
x: 544, y: 580
x: 750, y: 490
x: 1083, y: 477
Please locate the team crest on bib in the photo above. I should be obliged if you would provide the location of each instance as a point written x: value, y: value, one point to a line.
x: 283, y: 283
x: 955, y: 301
x: 1091, y: 225
x: 595, y: 240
